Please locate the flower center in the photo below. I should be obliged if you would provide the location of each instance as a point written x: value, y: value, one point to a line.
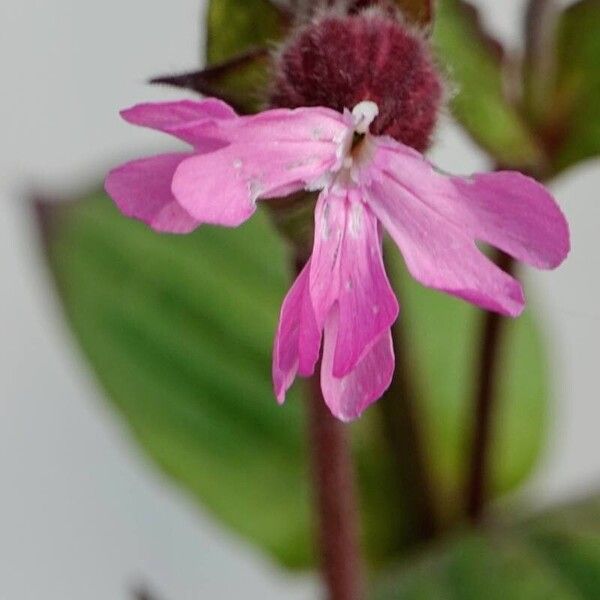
x: 354, y: 148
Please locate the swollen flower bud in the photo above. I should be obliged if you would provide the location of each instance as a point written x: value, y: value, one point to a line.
x: 339, y: 61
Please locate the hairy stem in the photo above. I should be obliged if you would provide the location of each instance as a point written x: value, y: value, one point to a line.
x: 477, y: 491
x: 337, y: 506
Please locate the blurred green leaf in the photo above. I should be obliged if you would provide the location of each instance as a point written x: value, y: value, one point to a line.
x: 474, y: 64
x: 234, y: 27
x: 554, y: 557
x: 572, y: 124
x: 568, y: 539
x: 442, y: 335
x: 179, y: 331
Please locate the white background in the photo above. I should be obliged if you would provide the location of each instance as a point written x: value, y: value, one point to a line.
x: 82, y: 514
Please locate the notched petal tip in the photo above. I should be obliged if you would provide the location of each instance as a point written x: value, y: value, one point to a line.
x: 194, y: 122
x: 297, y: 340
x: 130, y: 113
x: 141, y: 190
x: 510, y: 303
x: 348, y: 397
x: 144, y: 114
x: 435, y: 220
x: 346, y: 418
x: 517, y: 214
x: 281, y: 386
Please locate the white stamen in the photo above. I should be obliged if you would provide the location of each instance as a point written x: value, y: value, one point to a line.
x: 364, y: 114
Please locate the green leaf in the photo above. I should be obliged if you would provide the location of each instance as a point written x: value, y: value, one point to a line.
x: 555, y: 557
x: 569, y: 541
x: 474, y: 64
x: 442, y: 335
x: 572, y: 123
x: 179, y: 330
x: 234, y: 27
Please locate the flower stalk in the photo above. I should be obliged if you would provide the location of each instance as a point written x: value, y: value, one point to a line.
x: 336, y: 502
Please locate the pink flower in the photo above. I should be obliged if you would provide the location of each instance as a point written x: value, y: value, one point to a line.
x: 367, y: 183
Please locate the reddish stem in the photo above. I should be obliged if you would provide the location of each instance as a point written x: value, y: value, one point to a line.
x: 338, y: 520
x: 337, y: 506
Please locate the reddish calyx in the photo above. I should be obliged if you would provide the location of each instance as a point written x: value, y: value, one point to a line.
x: 339, y: 61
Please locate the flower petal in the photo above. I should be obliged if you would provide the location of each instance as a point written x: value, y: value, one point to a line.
x: 212, y: 120
x: 349, y: 396
x: 516, y: 214
x: 315, y: 125
x: 348, y: 269
x: 437, y: 252
x: 506, y: 209
x: 186, y: 119
x: 270, y: 154
x: 330, y: 227
x: 298, y: 340
x: 142, y: 189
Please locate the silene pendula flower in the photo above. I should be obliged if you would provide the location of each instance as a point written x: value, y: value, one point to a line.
x: 371, y: 95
